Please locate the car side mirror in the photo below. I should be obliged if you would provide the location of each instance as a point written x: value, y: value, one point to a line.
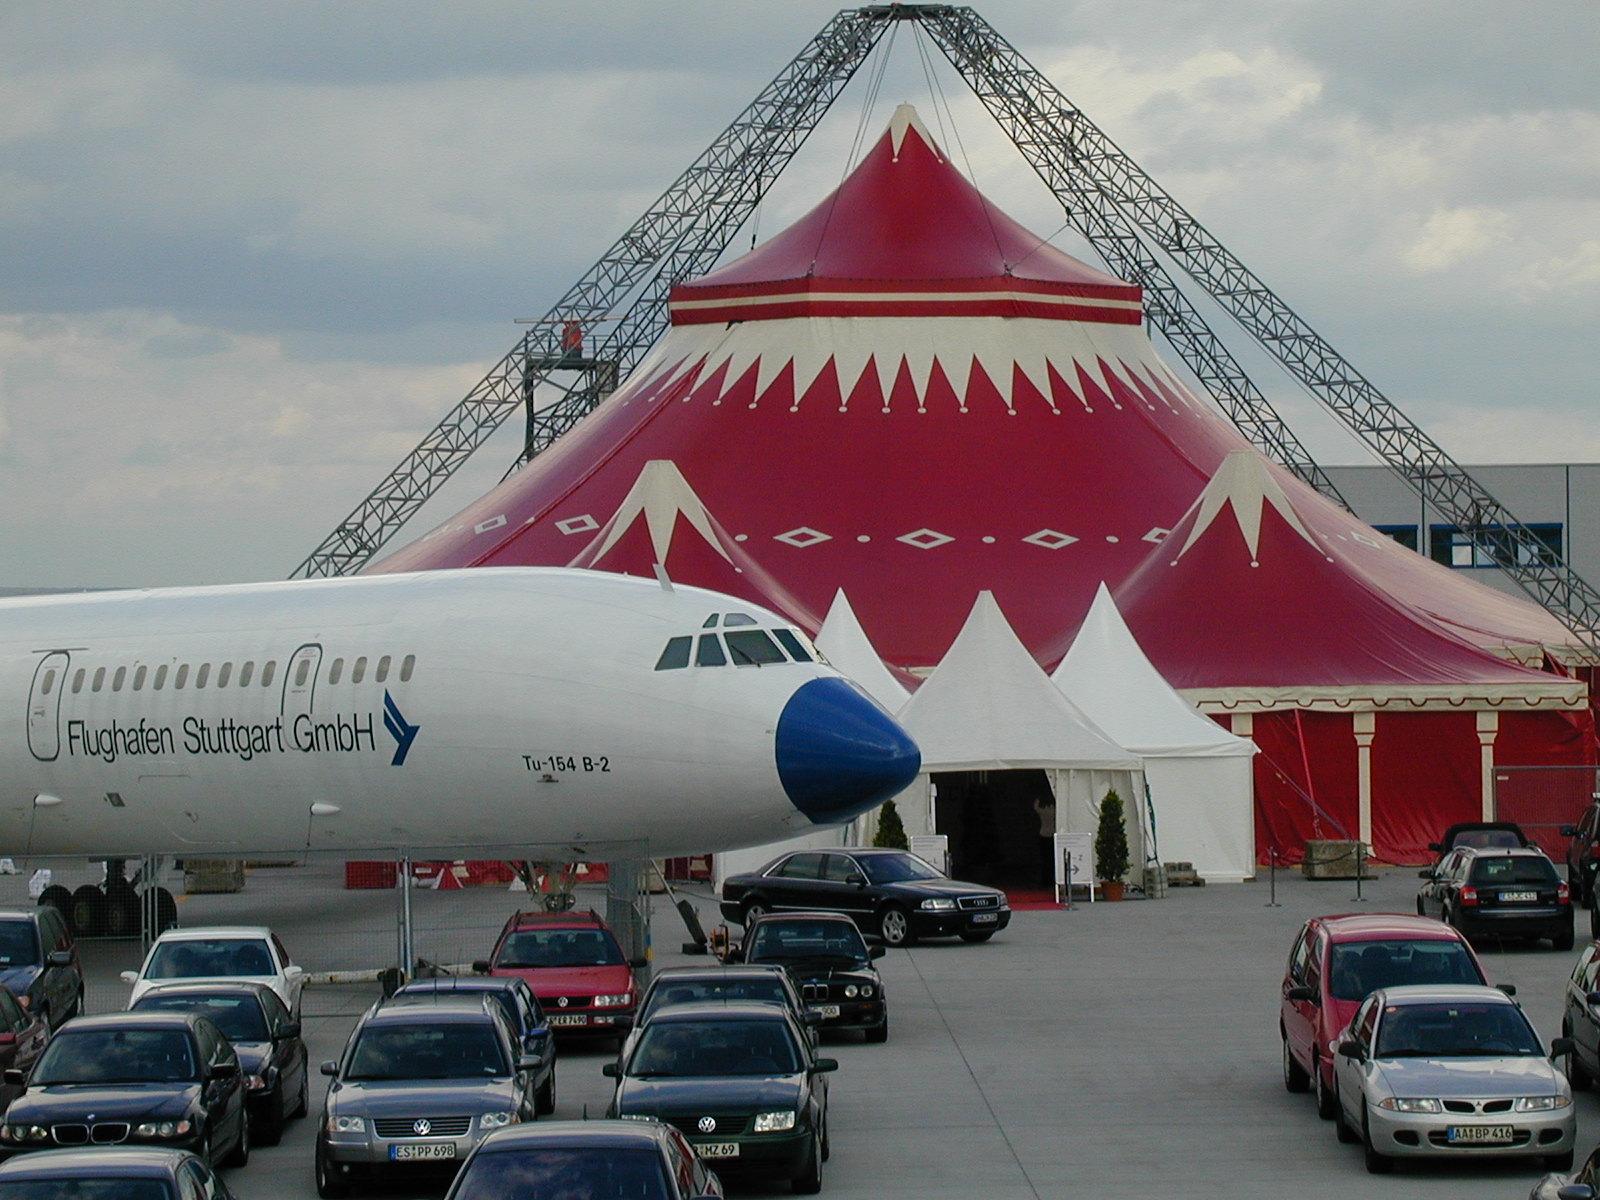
x: 877, y: 952
x: 1568, y: 831
x: 1509, y: 989
x: 1350, y: 1048
x: 821, y: 1066
x: 129, y: 977
x: 1425, y: 873
x: 527, y: 1063
x: 1575, y: 1191
x: 1436, y: 847
x: 15, y: 1078
x: 638, y: 964
x: 59, y: 958
x: 480, y: 966
x: 1303, y: 994
x: 611, y: 1071
x: 1561, y: 1047
x: 289, y: 1029
x: 329, y: 1068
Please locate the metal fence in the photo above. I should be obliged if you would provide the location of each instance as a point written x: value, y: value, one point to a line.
x: 1543, y: 799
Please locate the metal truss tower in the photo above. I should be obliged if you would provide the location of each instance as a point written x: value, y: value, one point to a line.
x: 1123, y: 213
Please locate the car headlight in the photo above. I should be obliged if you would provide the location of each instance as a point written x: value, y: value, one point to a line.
x: 1542, y: 1103
x: 613, y: 1001
x: 347, y: 1124
x: 1417, y: 1104
x: 775, y: 1122
x: 163, y: 1129
x: 23, y: 1133
x: 866, y: 991
x: 254, y: 1083
x: 850, y: 991
x: 938, y: 905
x: 496, y: 1120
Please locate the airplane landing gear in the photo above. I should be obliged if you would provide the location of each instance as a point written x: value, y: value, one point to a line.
x: 122, y: 908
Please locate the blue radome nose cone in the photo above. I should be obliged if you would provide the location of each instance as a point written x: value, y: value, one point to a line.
x: 839, y: 754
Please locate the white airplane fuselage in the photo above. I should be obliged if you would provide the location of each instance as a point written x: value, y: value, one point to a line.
x: 445, y: 710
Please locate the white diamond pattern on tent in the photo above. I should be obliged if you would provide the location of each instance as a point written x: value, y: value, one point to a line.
x: 802, y: 537
x: 1157, y: 534
x: 925, y: 539
x: 491, y: 523
x: 572, y: 525
x: 1050, y: 539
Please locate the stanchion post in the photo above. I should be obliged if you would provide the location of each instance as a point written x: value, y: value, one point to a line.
x: 408, y: 955
x: 1272, y: 877
x: 1068, y: 886
x: 1361, y: 848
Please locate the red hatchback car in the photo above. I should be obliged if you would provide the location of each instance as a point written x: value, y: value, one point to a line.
x: 574, y: 965
x: 1336, y: 963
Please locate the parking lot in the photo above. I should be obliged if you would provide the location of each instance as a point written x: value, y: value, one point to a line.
x: 1114, y: 1050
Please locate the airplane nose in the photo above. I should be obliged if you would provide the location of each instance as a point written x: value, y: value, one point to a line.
x: 839, y: 754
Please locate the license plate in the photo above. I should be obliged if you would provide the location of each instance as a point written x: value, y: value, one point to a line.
x: 717, y: 1149
x: 1518, y: 897
x: 985, y: 918
x: 1480, y: 1135
x: 829, y: 1011
x: 412, y: 1152
x: 567, y: 1019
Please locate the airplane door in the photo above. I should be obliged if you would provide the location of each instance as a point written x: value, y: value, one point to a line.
x: 44, y: 706
x: 300, y: 684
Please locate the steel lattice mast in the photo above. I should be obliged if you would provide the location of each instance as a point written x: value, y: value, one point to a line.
x: 1049, y: 128
x: 682, y: 232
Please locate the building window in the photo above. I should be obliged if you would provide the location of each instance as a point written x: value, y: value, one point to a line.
x: 1407, y: 535
x: 1454, y: 547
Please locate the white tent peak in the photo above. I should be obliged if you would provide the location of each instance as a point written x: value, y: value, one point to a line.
x: 905, y: 117
x: 989, y: 706
x: 1244, y: 483
x: 851, y: 652
x: 661, y: 494
x: 1108, y: 676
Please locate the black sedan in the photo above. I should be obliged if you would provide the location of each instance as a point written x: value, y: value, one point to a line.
x: 111, y: 1173
x: 267, y: 1040
x: 644, y: 1160
x: 891, y: 893
x: 740, y: 1081
x: 1499, y: 893
x: 830, y: 964
x: 156, y: 1078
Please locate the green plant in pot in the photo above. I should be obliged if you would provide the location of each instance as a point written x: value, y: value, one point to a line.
x: 1111, y: 847
x: 891, y: 833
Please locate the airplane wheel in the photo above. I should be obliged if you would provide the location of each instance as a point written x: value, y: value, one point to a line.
x: 121, y: 914
x: 166, y: 911
x: 58, y: 898
x: 88, y: 911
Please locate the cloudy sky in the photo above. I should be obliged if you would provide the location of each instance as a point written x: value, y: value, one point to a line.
x: 249, y: 253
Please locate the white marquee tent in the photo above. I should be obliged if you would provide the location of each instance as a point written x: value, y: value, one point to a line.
x: 1199, y: 775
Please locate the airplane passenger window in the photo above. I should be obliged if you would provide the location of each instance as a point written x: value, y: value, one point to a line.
x: 222, y: 674
x: 268, y: 671
x: 49, y: 681
x: 77, y: 682
x: 138, y: 678
x: 407, y: 665
x: 182, y: 677
x: 245, y: 672
x: 752, y: 648
x: 676, y: 654
x: 301, y: 672
x: 709, y: 652
x: 359, y: 671
x: 161, y: 677
x: 203, y: 674
x: 789, y: 642
x: 382, y: 673
x: 116, y: 680
x: 99, y: 678
x: 711, y: 622
x: 335, y: 671
x: 730, y: 620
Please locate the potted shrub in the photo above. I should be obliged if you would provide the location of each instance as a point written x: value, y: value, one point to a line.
x: 891, y: 833
x: 1111, y: 847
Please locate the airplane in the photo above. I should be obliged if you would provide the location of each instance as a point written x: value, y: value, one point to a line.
x: 450, y: 710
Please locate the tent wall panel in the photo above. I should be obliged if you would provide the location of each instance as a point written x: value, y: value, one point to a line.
x: 1204, y: 814
x: 1425, y: 777
x: 1292, y: 802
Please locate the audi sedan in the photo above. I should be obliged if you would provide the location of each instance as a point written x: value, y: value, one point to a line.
x: 1450, y: 1072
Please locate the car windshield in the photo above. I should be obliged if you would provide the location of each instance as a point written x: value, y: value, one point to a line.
x: 897, y: 868
x: 85, y: 1189
x: 1463, y: 1030
x: 560, y: 948
x: 239, y: 1017
x: 116, y: 1056
x: 797, y: 939
x: 715, y: 1048
x: 19, y: 946
x: 1486, y: 839
x: 423, y: 994
x: 210, y: 958
x: 561, y: 1173
x: 456, y: 1050
x: 767, y: 989
x: 1357, y: 969
x: 1514, y: 869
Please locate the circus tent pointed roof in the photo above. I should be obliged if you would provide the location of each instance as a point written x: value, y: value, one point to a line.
x: 988, y: 706
x: 849, y: 649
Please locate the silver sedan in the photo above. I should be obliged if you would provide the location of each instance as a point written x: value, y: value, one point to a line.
x: 1450, y: 1072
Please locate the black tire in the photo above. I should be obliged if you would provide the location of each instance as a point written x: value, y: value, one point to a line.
x: 1420, y: 913
x: 879, y: 1034
x: 751, y: 910
x: 1341, y: 1127
x: 1577, y: 1074
x: 894, y: 927
x: 544, y: 1102
x: 239, y: 1156
x: 166, y: 911
x: 302, y: 1105
x: 269, y: 1131
x: 1327, y: 1098
x: 1594, y: 921
x: 60, y: 899
x: 976, y: 935
x: 1377, y: 1164
x: 329, y: 1185
x: 88, y: 911
x: 827, y: 1146
x: 1566, y: 938
x: 1295, y: 1077
x: 121, y: 913
x: 809, y: 1181
x: 1558, y: 1162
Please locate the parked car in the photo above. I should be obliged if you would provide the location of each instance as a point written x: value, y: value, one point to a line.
x: 741, y: 1081
x: 251, y: 954
x: 418, y: 1088
x: 520, y: 1007
x: 1584, y: 1184
x: 1503, y: 893
x: 167, y: 1079
x: 831, y: 965
x: 23, y: 1034
x: 1335, y: 963
x: 723, y: 983
x: 1580, y: 1019
x: 891, y: 893
x: 111, y: 1173
x: 639, y: 1159
x: 263, y: 1035
x: 575, y: 967
x: 1481, y: 835
x: 39, y: 963
x: 1583, y: 854
x: 1450, y: 1072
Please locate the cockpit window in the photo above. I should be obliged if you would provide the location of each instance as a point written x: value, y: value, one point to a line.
x: 752, y: 648
x: 711, y: 621
x: 789, y: 642
x: 675, y: 656
x: 709, y: 652
x: 733, y: 620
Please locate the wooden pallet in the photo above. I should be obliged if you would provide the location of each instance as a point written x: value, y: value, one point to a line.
x: 1182, y: 874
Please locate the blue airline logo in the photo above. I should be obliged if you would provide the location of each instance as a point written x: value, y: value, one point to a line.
x: 403, y: 732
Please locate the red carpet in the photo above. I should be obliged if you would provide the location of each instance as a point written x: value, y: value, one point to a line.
x: 1031, y: 899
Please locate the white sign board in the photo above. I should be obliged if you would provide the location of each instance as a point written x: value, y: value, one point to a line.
x: 932, y: 848
x: 1081, y: 847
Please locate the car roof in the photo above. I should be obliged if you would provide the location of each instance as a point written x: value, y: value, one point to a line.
x: 608, y: 1134
x: 1466, y: 826
x: 700, y: 1010
x: 572, y: 919
x: 452, y: 1010
x: 1503, y: 851
x: 141, y: 1019
x: 215, y: 931
x: 209, y: 987
x: 806, y: 916
x: 1419, y: 993
x: 463, y: 983
x: 1364, y: 927
x: 725, y: 971
x: 134, y: 1162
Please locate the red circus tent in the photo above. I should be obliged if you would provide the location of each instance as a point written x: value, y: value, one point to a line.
x: 908, y: 395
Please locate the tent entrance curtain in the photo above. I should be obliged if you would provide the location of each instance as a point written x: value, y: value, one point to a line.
x: 993, y: 827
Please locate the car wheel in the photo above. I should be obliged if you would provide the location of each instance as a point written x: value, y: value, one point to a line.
x: 1377, y: 1164
x: 203, y: 1150
x: 78, y: 1007
x: 1327, y: 1099
x: 1295, y: 1079
x: 752, y: 911
x: 894, y: 926
x: 809, y: 1181
x: 879, y: 1034
x: 1566, y: 938
x: 976, y: 935
x: 241, y: 1149
x: 1577, y: 1074
x: 827, y: 1148
x: 1594, y: 921
x: 302, y: 1105
x: 1420, y: 913
x: 1558, y: 1162
x: 1341, y: 1126
x: 328, y: 1186
x: 545, y: 1102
